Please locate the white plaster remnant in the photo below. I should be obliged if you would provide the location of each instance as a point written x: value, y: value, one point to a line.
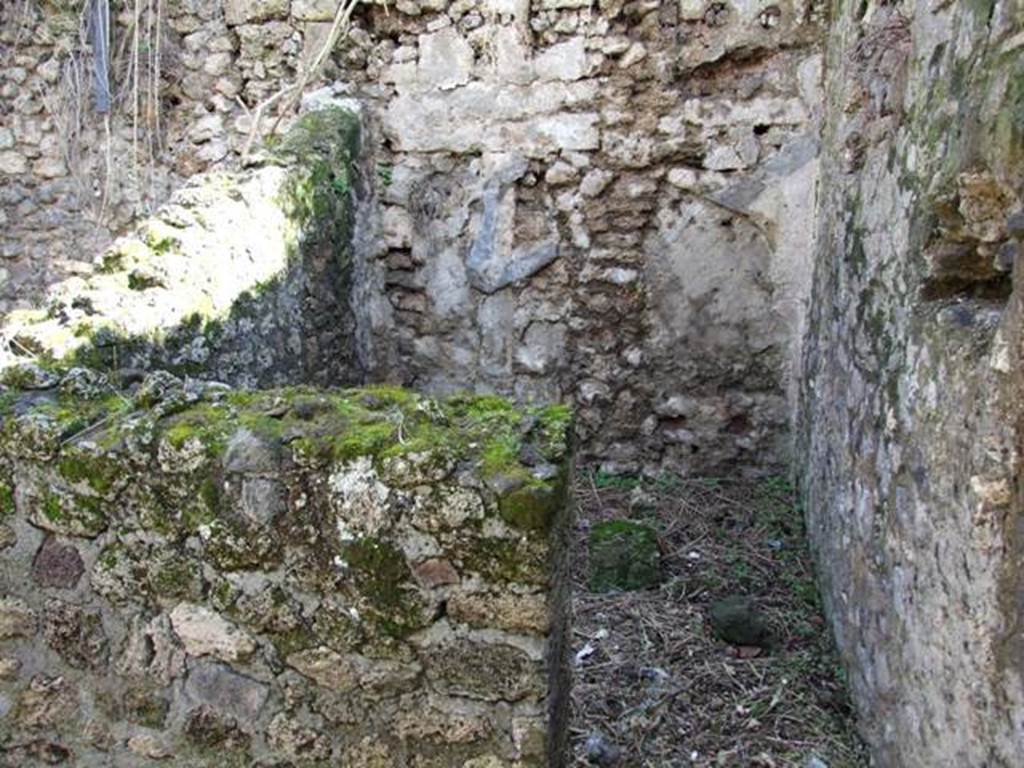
x: 204, y: 632
x: 359, y: 499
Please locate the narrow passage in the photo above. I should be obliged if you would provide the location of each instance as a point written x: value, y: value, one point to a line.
x: 656, y: 682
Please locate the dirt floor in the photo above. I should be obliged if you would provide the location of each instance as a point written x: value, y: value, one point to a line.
x: 653, y: 684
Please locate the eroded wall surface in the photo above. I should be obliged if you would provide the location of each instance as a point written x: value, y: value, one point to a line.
x: 912, y: 408
x: 603, y: 201
x: 198, y: 576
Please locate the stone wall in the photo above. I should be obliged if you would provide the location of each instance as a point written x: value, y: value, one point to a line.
x: 913, y: 423
x: 605, y: 201
x: 215, y: 577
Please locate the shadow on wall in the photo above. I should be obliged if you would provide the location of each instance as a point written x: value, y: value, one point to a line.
x: 243, y: 277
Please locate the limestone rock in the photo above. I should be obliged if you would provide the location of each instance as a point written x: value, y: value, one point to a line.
x: 515, y: 613
x: 213, y: 730
x: 8, y: 538
x: 368, y: 753
x: 436, y: 572
x: 314, y: 10
x: 225, y: 691
x: 297, y: 741
x: 85, y: 383
x: 30, y: 376
x: 248, y: 453
x: 247, y: 11
x: 17, y: 619
x: 157, y: 387
x: 263, y: 500
x: 48, y: 702
x: 203, y: 632
x: 446, y: 60
x: 481, y: 670
x: 444, y: 720
x: 349, y: 672
x: 362, y: 501
x: 13, y: 163
x: 148, y: 746
x: 150, y: 652
x: 595, y: 182
x: 76, y: 634
x: 563, y: 61
x: 9, y: 668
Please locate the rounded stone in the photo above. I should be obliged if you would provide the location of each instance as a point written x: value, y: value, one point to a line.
x: 736, y: 620
x: 57, y: 565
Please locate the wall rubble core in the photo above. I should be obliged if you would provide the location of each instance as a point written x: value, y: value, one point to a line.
x: 212, y: 577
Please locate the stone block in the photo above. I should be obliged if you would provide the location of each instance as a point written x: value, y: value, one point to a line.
x: 204, y: 632
x: 314, y: 10
x: 17, y: 619
x: 57, y: 565
x: 225, y: 690
x: 564, y: 61
x: 248, y: 11
x: 446, y: 60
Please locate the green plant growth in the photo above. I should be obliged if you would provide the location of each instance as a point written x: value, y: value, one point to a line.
x: 7, y: 507
x: 321, y: 150
x: 605, y: 480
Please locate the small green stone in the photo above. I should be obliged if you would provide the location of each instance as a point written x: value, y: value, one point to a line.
x: 624, y: 555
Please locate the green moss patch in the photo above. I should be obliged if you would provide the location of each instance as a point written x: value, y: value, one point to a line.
x: 383, y: 579
x: 532, y: 507
x: 321, y: 150
x: 97, y: 471
x: 70, y: 514
x: 7, y: 507
x: 515, y: 560
x: 235, y: 547
x: 97, y: 445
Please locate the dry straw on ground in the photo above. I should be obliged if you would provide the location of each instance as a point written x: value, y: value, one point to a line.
x: 652, y: 682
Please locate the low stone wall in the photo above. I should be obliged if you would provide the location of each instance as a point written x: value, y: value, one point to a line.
x: 215, y: 577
